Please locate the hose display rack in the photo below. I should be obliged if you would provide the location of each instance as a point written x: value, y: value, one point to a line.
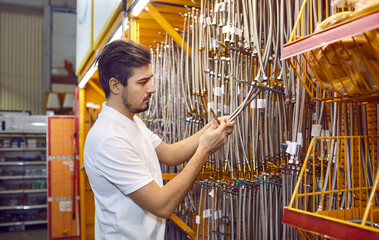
x: 336, y: 194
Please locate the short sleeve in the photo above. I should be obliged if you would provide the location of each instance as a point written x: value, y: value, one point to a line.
x: 155, y: 139
x: 122, y: 165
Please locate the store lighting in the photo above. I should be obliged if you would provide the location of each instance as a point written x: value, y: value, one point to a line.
x: 69, y: 101
x: 53, y: 101
x: 87, y: 76
x: 138, y: 8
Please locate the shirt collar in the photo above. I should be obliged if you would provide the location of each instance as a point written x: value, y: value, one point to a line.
x: 117, y: 116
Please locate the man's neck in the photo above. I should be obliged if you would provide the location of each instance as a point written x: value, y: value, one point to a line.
x: 120, y: 108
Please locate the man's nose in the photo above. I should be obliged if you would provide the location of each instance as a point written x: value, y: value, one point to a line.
x: 151, y: 88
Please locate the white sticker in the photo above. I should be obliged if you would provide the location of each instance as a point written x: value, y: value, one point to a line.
x: 261, y: 103
x: 215, y: 215
x: 289, y: 145
x: 65, y: 206
x: 219, y: 106
x: 226, y: 109
x: 206, y: 213
x: 293, y: 148
x: 300, y: 139
x: 218, y: 91
x: 201, y: 18
x: 217, y: 6
x: 222, y: 89
x: 70, y: 163
x: 62, y: 206
x: 210, y: 105
x: 316, y: 130
x: 226, y: 29
x: 222, y: 6
x: 197, y: 219
x: 232, y: 30
x: 253, y: 103
x: 219, y: 214
x: 212, y: 193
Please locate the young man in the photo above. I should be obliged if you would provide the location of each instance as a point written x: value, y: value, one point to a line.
x: 121, y: 156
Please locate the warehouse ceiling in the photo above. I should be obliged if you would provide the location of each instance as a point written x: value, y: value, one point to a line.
x: 172, y: 10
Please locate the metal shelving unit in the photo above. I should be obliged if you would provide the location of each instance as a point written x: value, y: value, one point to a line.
x: 23, y: 175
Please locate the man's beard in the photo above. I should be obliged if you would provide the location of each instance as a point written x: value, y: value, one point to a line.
x: 135, y: 110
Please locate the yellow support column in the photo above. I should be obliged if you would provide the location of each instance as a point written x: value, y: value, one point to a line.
x: 134, y: 29
x: 82, y: 175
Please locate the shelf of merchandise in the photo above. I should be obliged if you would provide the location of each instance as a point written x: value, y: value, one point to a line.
x: 23, y: 207
x: 324, y: 62
x: 9, y: 224
x: 337, y: 209
x: 28, y: 158
x: 21, y: 177
x: 21, y: 149
x: 20, y: 163
x: 21, y: 191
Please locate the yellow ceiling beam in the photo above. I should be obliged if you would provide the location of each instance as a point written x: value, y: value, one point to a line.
x: 96, y: 87
x: 166, y: 26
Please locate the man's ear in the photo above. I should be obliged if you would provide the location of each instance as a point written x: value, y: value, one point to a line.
x: 114, y: 86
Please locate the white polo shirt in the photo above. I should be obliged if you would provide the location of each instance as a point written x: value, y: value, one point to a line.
x: 120, y: 158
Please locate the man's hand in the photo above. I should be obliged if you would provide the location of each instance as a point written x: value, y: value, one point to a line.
x: 229, y: 125
x: 214, y: 137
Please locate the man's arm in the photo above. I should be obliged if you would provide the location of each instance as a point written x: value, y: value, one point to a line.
x: 163, y: 201
x: 179, y: 152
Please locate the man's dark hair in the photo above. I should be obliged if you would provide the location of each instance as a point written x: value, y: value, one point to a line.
x: 118, y: 60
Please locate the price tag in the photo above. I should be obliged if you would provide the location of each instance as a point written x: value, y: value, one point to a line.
x: 261, y: 103
x: 218, y: 91
x: 217, y: 7
x: 232, y: 30
x: 197, y: 219
x: 300, y: 139
x: 253, y: 103
x: 222, y: 6
x: 206, y: 213
x: 316, y: 130
x: 226, y: 109
x: 226, y: 29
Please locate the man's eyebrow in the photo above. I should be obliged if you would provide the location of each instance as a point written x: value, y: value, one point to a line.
x: 145, y: 78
